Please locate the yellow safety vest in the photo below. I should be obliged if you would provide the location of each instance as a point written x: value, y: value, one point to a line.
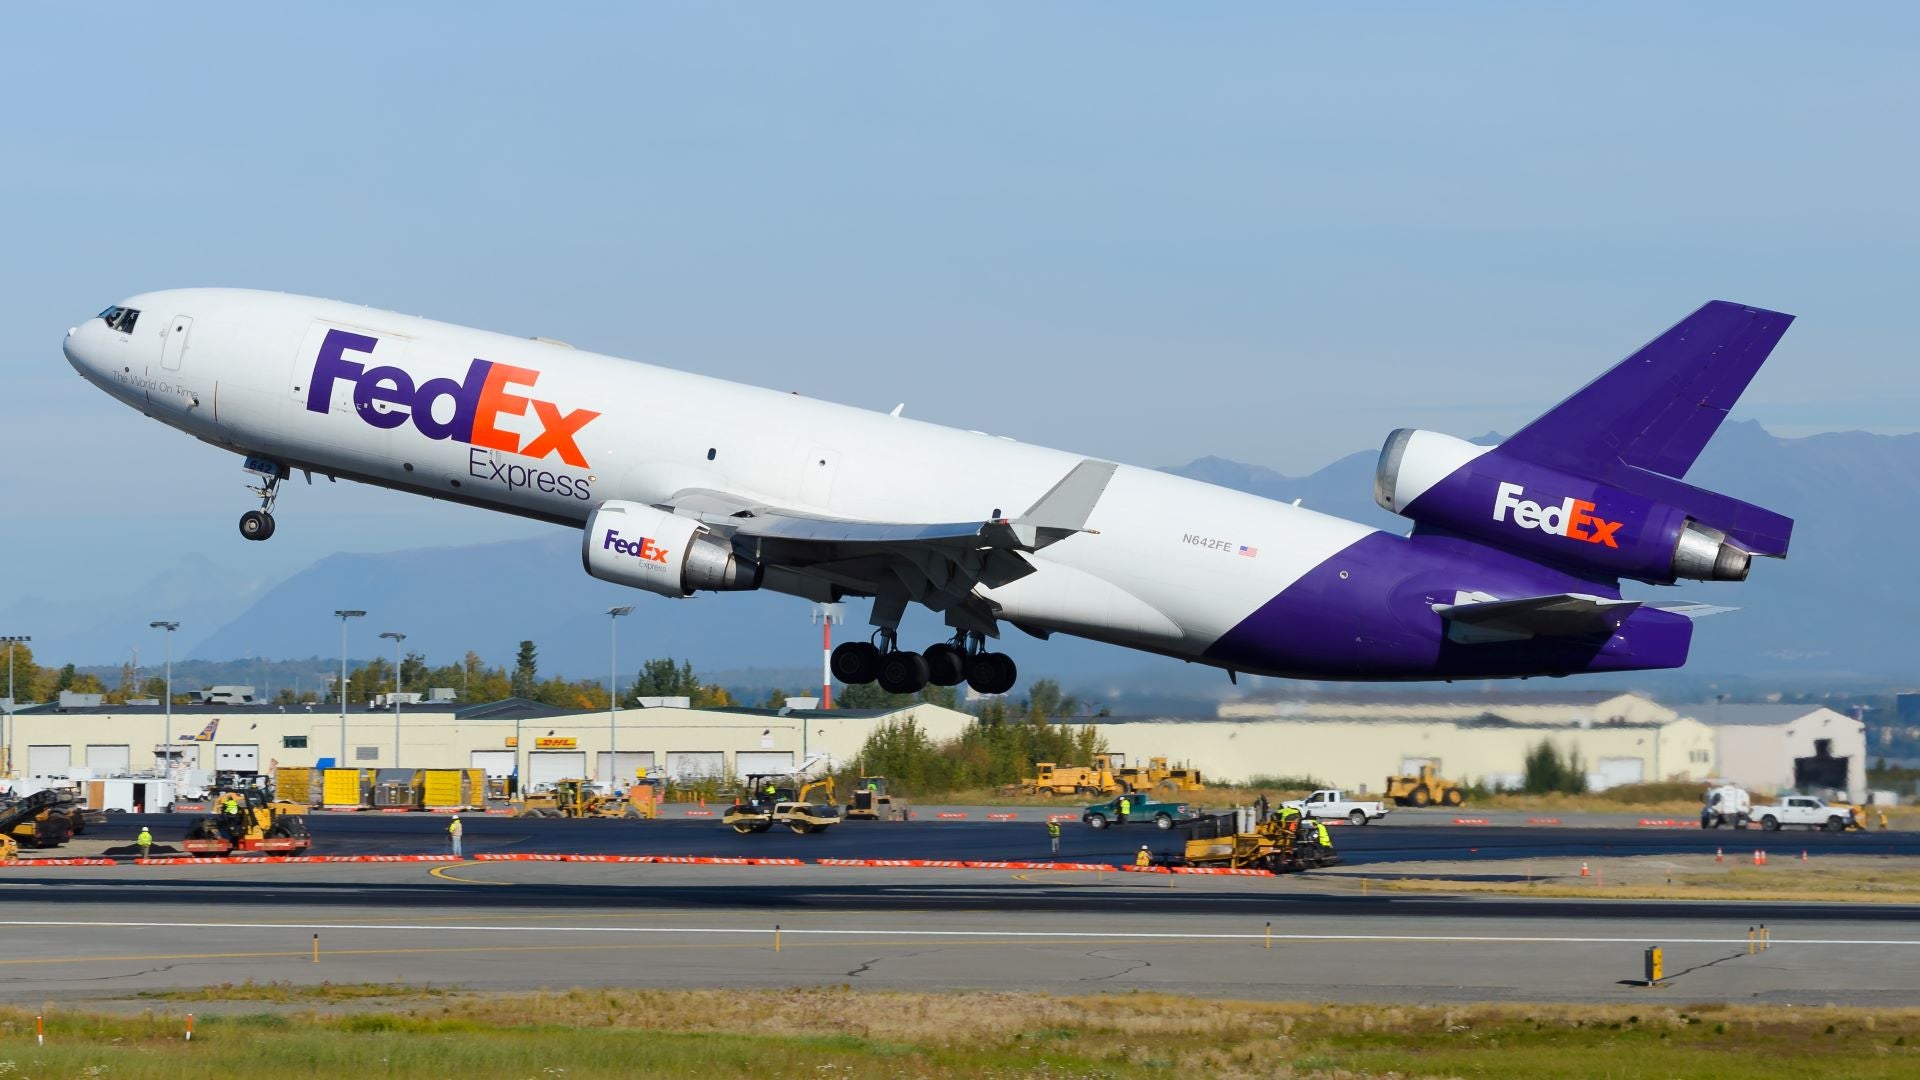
x: 1053, y: 828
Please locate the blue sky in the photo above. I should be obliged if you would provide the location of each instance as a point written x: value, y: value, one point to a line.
x: 1146, y: 231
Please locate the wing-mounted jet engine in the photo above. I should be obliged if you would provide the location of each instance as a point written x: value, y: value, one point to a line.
x: 633, y: 544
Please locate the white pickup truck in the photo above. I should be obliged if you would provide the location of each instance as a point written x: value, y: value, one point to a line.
x: 1809, y: 812
x: 1331, y: 803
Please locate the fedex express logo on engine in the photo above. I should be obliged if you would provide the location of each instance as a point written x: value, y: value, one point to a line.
x: 643, y: 549
x: 1571, y: 518
x: 479, y: 401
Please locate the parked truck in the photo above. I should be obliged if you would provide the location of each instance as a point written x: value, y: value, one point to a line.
x: 1805, y: 811
x: 1140, y: 808
x: 1052, y: 779
x: 1727, y: 806
x: 1332, y: 803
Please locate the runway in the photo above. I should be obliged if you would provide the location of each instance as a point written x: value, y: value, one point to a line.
x: 116, y: 931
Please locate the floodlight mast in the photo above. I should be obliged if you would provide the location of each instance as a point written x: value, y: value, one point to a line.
x: 169, y: 627
x: 343, y: 615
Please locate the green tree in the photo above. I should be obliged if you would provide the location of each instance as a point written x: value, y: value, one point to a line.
x: 526, y: 668
x: 661, y: 677
x: 776, y: 699
x: 413, y: 670
x: 1046, y: 701
x: 1548, y: 771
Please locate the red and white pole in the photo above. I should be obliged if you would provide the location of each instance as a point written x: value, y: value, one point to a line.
x: 826, y: 663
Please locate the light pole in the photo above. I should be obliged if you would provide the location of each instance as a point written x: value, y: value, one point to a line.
x: 343, y: 616
x: 613, y: 692
x: 169, y: 627
x: 397, y: 639
x: 6, y: 738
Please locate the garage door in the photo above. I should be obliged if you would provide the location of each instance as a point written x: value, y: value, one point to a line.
x: 749, y: 763
x: 49, y: 760
x: 546, y: 766
x: 109, y: 760
x: 235, y: 758
x: 703, y: 765
x: 498, y: 764
x: 1614, y: 771
x: 631, y: 762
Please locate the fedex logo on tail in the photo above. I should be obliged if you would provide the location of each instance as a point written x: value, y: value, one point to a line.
x: 479, y: 400
x: 1571, y: 518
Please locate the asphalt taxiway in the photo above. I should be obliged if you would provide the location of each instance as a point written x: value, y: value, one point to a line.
x: 116, y: 931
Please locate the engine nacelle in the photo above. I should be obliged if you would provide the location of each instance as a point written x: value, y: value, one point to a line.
x: 630, y: 543
x: 1545, y: 513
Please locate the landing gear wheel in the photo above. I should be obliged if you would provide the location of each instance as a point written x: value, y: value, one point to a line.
x: 256, y: 525
x: 946, y: 664
x: 992, y: 673
x: 903, y: 673
x: 856, y: 662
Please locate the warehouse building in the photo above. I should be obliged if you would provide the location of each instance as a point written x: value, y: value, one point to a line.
x: 1357, y: 741
x: 502, y: 737
x: 1772, y: 748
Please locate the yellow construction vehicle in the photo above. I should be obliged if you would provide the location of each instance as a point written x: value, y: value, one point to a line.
x: 873, y: 801
x: 260, y: 824
x: 771, y: 800
x: 1160, y: 778
x: 1425, y: 789
x: 577, y: 799
x: 1242, y: 840
x: 1099, y: 778
x: 20, y: 823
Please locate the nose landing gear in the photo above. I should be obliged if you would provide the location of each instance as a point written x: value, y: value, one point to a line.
x: 947, y: 663
x: 258, y: 524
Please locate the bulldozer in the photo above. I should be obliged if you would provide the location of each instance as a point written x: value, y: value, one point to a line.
x: 1158, y: 777
x: 873, y: 801
x: 1426, y: 789
x: 261, y: 824
x: 577, y: 799
x: 1243, y: 840
x: 24, y: 816
x: 773, y: 800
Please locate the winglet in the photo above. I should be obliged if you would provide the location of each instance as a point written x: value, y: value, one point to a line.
x: 1068, y: 504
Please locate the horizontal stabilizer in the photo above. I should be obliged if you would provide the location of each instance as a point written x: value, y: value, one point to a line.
x: 1482, y: 618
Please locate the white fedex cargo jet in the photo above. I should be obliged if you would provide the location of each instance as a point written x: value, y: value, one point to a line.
x: 680, y: 482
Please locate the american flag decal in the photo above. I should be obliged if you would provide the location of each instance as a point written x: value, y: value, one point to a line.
x: 1249, y: 552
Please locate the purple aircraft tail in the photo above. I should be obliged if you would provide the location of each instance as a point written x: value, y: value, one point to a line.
x: 1641, y: 426
x: 1594, y: 484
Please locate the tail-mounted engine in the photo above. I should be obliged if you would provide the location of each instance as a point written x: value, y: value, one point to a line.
x: 634, y: 544
x: 1552, y: 515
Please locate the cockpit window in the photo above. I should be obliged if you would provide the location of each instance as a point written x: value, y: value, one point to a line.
x: 120, y: 318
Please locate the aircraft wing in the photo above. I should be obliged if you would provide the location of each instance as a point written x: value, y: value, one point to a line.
x: 937, y: 564
x: 1477, y: 617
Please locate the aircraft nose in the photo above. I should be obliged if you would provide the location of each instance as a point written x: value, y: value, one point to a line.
x: 75, y: 350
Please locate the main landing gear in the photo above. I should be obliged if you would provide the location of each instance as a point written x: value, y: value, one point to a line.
x: 948, y: 663
x: 258, y: 524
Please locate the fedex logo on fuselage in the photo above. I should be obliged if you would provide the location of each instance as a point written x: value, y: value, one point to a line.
x: 479, y: 401
x: 644, y: 548
x: 1572, y: 518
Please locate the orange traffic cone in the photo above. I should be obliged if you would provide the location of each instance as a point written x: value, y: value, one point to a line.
x: 1719, y: 856
x: 1756, y: 856
x: 1803, y: 854
x: 1584, y: 872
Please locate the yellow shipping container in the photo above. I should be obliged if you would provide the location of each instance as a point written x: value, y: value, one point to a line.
x: 443, y: 788
x: 344, y: 787
x: 296, y: 785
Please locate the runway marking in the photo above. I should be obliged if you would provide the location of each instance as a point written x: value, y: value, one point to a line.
x: 1024, y: 935
x: 303, y: 954
x: 441, y: 873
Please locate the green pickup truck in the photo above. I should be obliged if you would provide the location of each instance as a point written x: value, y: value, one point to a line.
x: 1142, y: 809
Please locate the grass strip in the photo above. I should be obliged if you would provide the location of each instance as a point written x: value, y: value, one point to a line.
x: 844, y: 1033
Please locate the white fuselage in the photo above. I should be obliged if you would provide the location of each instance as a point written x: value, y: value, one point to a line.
x: 1166, y: 564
